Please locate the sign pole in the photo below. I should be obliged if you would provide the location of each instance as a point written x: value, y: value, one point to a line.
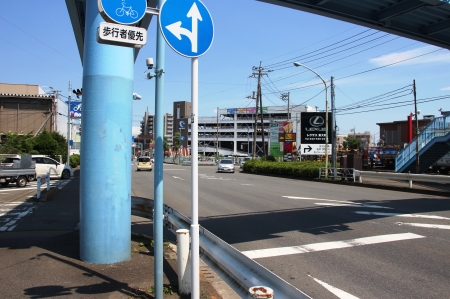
x: 195, y: 245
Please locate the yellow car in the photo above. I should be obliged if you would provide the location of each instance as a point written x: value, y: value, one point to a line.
x: 144, y: 163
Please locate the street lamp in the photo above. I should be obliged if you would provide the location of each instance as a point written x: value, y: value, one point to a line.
x: 326, y: 115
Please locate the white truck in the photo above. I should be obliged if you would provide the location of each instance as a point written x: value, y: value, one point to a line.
x: 442, y: 165
x: 20, y: 172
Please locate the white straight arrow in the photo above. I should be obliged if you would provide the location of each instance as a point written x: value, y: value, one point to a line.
x: 177, y: 30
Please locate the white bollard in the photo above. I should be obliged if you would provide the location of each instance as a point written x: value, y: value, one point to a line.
x: 38, y: 193
x: 260, y: 292
x: 48, y: 181
x: 184, y: 268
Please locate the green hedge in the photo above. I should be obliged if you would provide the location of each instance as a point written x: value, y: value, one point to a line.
x: 306, y: 169
x: 74, y: 160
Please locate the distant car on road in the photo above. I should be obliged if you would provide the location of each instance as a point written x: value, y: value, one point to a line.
x: 226, y: 165
x: 9, y: 161
x: 144, y: 163
x: 243, y: 160
x: 56, y: 169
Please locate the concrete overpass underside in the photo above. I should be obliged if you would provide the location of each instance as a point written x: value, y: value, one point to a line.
x: 427, y: 21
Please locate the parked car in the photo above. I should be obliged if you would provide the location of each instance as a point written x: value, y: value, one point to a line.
x: 243, y: 160
x: 144, y: 163
x: 54, y: 168
x: 226, y: 165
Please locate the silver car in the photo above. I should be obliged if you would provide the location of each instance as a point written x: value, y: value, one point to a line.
x: 226, y: 165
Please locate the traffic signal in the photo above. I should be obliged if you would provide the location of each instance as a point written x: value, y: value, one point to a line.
x: 78, y: 92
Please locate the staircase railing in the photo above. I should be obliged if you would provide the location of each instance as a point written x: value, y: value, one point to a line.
x: 440, y: 126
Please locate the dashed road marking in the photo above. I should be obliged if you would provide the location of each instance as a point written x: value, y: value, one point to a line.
x: 402, y: 215
x: 272, y: 252
x: 439, y: 226
x: 340, y: 203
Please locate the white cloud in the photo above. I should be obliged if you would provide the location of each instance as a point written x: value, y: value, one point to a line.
x: 446, y: 88
x: 438, y: 56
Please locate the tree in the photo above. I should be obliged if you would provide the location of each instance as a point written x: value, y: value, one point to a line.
x: 352, y: 143
x: 16, y: 144
x: 177, y: 141
x: 45, y: 144
x: 165, y: 145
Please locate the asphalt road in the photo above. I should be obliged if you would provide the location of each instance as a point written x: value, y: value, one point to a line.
x: 330, y: 241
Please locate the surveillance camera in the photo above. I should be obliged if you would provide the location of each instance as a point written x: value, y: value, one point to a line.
x: 149, y: 62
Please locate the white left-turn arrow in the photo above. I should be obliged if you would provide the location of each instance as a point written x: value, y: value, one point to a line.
x: 177, y: 30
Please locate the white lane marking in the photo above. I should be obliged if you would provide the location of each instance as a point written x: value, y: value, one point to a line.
x: 247, y: 185
x: 439, y: 226
x: 351, y: 205
x: 175, y: 177
x: 18, y: 189
x: 272, y: 252
x: 16, y: 203
x: 402, y: 215
x: 337, y: 292
x: 311, y: 198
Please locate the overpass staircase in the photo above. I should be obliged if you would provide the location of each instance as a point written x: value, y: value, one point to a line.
x: 433, y: 143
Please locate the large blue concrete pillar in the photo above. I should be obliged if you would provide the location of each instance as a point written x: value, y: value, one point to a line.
x: 105, y: 199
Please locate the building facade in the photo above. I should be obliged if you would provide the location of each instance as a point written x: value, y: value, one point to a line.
x: 26, y: 108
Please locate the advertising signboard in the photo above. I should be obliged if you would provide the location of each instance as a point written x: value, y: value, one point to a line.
x: 313, y: 128
x: 75, y: 108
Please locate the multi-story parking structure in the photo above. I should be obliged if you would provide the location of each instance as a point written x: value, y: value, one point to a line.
x: 232, y: 131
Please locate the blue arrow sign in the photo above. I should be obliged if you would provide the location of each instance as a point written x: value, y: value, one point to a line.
x: 124, y: 12
x: 182, y: 124
x: 182, y: 138
x: 186, y: 26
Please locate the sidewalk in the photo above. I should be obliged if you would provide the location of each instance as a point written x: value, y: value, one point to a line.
x: 40, y: 258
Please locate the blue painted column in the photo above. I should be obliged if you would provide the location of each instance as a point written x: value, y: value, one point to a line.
x: 159, y: 156
x: 105, y: 199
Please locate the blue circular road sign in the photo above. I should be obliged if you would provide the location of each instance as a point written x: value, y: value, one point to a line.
x: 182, y: 124
x: 124, y: 12
x: 186, y: 26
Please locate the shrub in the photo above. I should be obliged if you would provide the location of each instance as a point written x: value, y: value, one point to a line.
x: 306, y: 169
x: 74, y: 160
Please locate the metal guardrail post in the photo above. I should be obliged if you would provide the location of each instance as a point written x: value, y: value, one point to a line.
x: 38, y: 193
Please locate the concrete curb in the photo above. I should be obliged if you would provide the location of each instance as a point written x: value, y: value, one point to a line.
x: 46, y: 195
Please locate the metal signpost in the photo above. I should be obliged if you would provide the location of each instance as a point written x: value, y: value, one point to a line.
x: 175, y: 18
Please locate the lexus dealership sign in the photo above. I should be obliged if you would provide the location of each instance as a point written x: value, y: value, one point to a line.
x: 313, y: 128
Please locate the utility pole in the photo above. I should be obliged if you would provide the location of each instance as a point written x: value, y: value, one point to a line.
x: 217, y: 134
x: 258, y: 71
x: 285, y: 97
x: 68, y: 123
x: 417, y: 129
x: 262, y: 118
x: 333, y: 130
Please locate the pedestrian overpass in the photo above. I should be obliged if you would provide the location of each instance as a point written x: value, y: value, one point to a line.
x: 430, y: 145
x: 427, y: 21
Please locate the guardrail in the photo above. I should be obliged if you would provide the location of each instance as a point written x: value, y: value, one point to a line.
x: 42, y: 180
x: 240, y: 269
x: 402, y: 176
x: 337, y: 173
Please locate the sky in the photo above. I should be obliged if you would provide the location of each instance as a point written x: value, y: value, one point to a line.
x: 373, y: 71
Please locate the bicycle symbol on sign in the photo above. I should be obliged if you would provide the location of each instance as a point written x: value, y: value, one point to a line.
x: 127, y: 10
